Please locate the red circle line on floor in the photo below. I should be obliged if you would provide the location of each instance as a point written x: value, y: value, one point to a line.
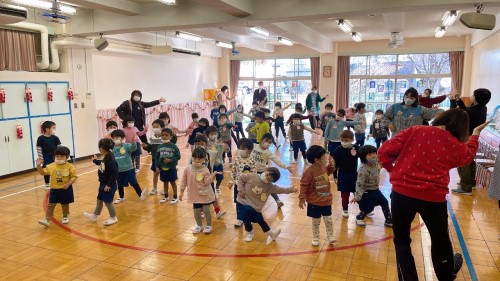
x: 142, y: 249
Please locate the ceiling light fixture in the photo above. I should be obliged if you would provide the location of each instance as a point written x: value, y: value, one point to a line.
x: 440, y: 31
x: 187, y: 36
x: 285, y: 41
x: 449, y: 17
x: 357, y: 37
x: 344, y: 25
x: 46, y: 6
x: 223, y: 45
x: 168, y: 2
x: 260, y: 31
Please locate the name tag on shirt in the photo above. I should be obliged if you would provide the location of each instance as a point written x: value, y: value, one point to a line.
x: 377, y: 125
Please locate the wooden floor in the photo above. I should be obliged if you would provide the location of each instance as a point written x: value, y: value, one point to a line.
x: 154, y: 242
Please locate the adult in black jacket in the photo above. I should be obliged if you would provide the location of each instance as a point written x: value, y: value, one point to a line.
x: 260, y: 95
x: 135, y: 107
x: 477, y: 115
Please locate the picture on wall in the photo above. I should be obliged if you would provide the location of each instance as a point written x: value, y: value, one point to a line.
x: 372, y: 84
x: 371, y: 96
x: 387, y: 96
x: 380, y: 88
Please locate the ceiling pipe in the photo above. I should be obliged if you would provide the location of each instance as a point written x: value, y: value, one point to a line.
x: 44, y: 64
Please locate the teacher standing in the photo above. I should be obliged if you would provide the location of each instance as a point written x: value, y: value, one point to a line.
x: 260, y: 94
x: 312, y: 105
x: 135, y: 107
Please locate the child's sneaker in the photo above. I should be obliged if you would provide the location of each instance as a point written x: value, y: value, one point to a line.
x: 174, y: 201
x: 111, y: 221
x: 220, y: 214
x: 197, y: 229
x: 249, y: 237
x: 136, y: 171
x: 144, y: 193
x: 370, y: 214
x: 388, y: 223
x: 119, y: 200
x: 47, y: 186
x: 44, y: 222
x: 280, y: 204
x: 65, y: 220
x: 361, y: 223
x: 345, y: 214
x: 315, y: 242
x: 91, y: 217
x: 217, y: 191
x: 331, y: 240
x: 164, y: 200
x: 153, y: 191
x: 238, y: 223
x: 207, y: 229
x: 273, y: 236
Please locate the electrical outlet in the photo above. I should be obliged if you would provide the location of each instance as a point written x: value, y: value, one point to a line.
x: 83, y: 105
x: 75, y: 105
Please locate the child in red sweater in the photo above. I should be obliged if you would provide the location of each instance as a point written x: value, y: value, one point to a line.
x: 315, y: 189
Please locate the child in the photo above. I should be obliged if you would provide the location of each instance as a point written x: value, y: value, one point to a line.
x: 261, y: 154
x: 107, y: 173
x: 154, y: 142
x: 243, y: 164
x: 126, y: 174
x: 238, y: 120
x: 193, y: 125
x: 251, y: 134
x: 298, y: 110
x: 351, y: 114
x: 346, y: 165
x: 379, y: 128
x: 214, y: 113
x: 324, y: 118
x: 225, y: 136
x: 367, y: 193
x: 110, y: 127
x: 132, y: 134
x: 261, y: 127
x: 46, y: 144
x: 361, y: 127
x: 166, y: 158
x: 316, y: 191
x: 297, y: 137
x: 334, y: 128
x: 197, y: 180
x: 252, y: 196
x: 215, y: 149
x: 202, y: 126
x: 62, y: 176
x: 279, y: 122
x: 166, y: 119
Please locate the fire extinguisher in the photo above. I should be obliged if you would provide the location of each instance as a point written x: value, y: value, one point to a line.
x: 50, y: 94
x: 29, y: 97
x: 19, y: 131
x: 70, y: 94
x: 2, y: 95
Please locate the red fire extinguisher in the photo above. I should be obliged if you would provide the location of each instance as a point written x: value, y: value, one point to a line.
x: 19, y: 131
x: 2, y: 95
x: 70, y: 94
x: 29, y: 97
x: 50, y: 94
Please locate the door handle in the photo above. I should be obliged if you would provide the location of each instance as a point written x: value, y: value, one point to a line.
x: 8, y: 138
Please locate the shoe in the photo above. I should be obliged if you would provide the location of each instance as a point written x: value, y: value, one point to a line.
x: 238, y: 223
x: 280, y: 204
x: 65, y: 220
x: 217, y: 191
x: 119, y: 200
x: 388, y: 223
x: 461, y: 191
x: 345, y: 214
x: 174, y: 201
x: 136, y: 171
x: 91, y: 217
x: 249, y: 237
x: 111, y: 221
x: 47, y: 186
x: 331, y: 240
x: 153, y: 191
x: 220, y: 214
x: 315, y: 242
x: 290, y: 149
x: 458, y: 260
x: 197, y: 229
x: 273, y: 236
x: 144, y: 193
x: 164, y: 200
x: 361, y: 223
x: 44, y: 222
x: 207, y: 229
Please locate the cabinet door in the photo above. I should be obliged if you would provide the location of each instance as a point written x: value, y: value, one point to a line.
x: 64, y: 132
x: 20, y: 156
x: 60, y: 103
x: 14, y: 106
x: 40, y: 105
x: 4, y: 151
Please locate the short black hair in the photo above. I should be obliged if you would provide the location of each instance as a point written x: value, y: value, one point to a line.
x: 266, y: 110
x: 341, y: 111
x: 299, y: 108
x: 111, y: 123
x: 222, y: 107
x: 347, y: 134
x: 118, y: 133
x: 163, y: 115
x: 199, y: 153
x: 108, y: 145
x: 278, y: 104
x: 210, y: 130
x: 255, y: 102
x: 127, y: 119
x: 455, y: 121
x: 267, y: 136
x: 360, y: 106
x: 168, y: 131
x: 159, y: 122
x: 329, y: 105
x: 62, y: 150
x: 428, y: 90
x: 223, y: 88
x: 203, y: 120
x: 413, y: 94
x: 298, y: 104
x: 245, y: 143
x: 194, y: 115
x: 223, y: 115
x: 274, y: 173
x: 260, y: 114
x: 365, y: 150
x: 314, y: 152
x: 296, y: 116
x: 482, y: 96
x: 47, y: 125
x: 200, y: 138
x: 379, y: 111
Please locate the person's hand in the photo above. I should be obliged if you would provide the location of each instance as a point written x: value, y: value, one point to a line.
x: 167, y: 161
x: 230, y: 185
x: 66, y: 186
x: 157, y: 170
x: 218, y: 173
x: 289, y: 168
x: 39, y: 162
x: 181, y: 195
x: 436, y: 106
x: 392, y: 128
x: 336, y: 181
x: 353, y: 201
x: 302, y: 203
x: 107, y: 188
x: 146, y: 128
x: 162, y: 99
x: 478, y: 129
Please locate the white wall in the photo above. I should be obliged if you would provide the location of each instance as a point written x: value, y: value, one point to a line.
x: 176, y: 79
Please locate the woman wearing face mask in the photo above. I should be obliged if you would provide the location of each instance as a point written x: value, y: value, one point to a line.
x: 425, y: 99
x: 223, y: 96
x: 312, y: 105
x: 408, y: 113
x: 135, y: 107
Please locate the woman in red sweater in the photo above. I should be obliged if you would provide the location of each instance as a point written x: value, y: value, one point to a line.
x: 419, y: 160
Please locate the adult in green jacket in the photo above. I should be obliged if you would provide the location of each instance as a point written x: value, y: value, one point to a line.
x: 312, y: 105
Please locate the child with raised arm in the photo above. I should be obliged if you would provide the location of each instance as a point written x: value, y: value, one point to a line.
x: 297, y: 137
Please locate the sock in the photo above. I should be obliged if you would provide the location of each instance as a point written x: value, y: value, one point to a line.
x: 329, y: 227
x: 315, y: 227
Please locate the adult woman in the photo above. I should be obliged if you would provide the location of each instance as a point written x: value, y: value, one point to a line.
x: 425, y: 99
x: 223, y: 96
x: 408, y: 113
x: 135, y: 107
x: 419, y: 160
x: 312, y: 105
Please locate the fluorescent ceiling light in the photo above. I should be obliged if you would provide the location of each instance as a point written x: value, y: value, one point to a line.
x: 187, y: 36
x: 168, y: 2
x: 46, y: 6
x: 344, y: 25
x: 260, y: 30
x: 223, y: 45
x: 356, y: 36
x: 449, y: 17
x: 285, y: 41
x: 440, y: 31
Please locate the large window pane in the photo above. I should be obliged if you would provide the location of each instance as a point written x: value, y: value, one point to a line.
x: 285, y: 68
x: 380, y: 94
x: 245, y: 93
x: 358, y: 65
x: 304, y: 67
x: 264, y: 68
x: 246, y: 68
x: 424, y: 64
x: 383, y: 65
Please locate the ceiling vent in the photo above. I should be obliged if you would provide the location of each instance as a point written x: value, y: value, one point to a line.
x: 12, y: 14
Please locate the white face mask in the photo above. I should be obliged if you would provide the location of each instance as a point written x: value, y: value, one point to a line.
x: 260, y: 87
x: 195, y: 120
x: 130, y: 125
x: 53, y: 132
x: 266, y: 145
x: 325, y: 162
x: 118, y: 141
x: 263, y: 178
x: 156, y: 131
x: 137, y: 98
x: 111, y: 130
x: 409, y: 101
x: 242, y: 153
x: 346, y: 144
x: 60, y: 162
x: 378, y: 116
x: 315, y: 92
x: 165, y: 141
x: 296, y: 122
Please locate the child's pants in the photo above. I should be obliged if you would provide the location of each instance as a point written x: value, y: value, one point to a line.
x: 52, y: 206
x: 109, y: 205
x: 360, y: 138
x: 239, y: 130
x: 299, y: 145
x: 369, y: 200
x: 379, y: 141
x: 229, y: 154
x: 345, y: 200
x: 249, y: 215
x: 198, y: 209
x: 279, y: 125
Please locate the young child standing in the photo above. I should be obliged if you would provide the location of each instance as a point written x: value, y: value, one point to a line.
x: 197, y: 179
x: 154, y: 142
x: 132, y: 134
x: 379, y: 129
x: 126, y: 174
x: 166, y: 119
x: 297, y: 137
x: 110, y: 127
x: 279, y: 123
x: 62, y: 176
x: 202, y: 126
x: 298, y: 110
x: 46, y: 144
x: 334, y: 128
x: 251, y: 134
x: 107, y: 173
x: 193, y: 125
x: 367, y: 193
x: 243, y: 164
x: 261, y: 127
x: 225, y: 136
x: 324, y: 119
x: 214, y: 113
x: 316, y: 191
x: 167, y: 156
x: 238, y: 120
x: 253, y: 190
x: 216, y: 149
x: 361, y: 127
x: 346, y: 166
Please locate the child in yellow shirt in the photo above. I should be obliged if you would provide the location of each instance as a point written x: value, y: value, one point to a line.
x: 261, y: 127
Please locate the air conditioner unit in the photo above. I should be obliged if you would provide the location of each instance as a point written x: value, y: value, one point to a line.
x: 173, y: 52
x: 12, y: 14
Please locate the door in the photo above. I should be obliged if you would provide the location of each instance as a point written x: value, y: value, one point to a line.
x: 20, y: 157
x: 40, y: 105
x: 4, y: 151
x: 64, y: 131
x: 60, y: 103
x: 14, y: 106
